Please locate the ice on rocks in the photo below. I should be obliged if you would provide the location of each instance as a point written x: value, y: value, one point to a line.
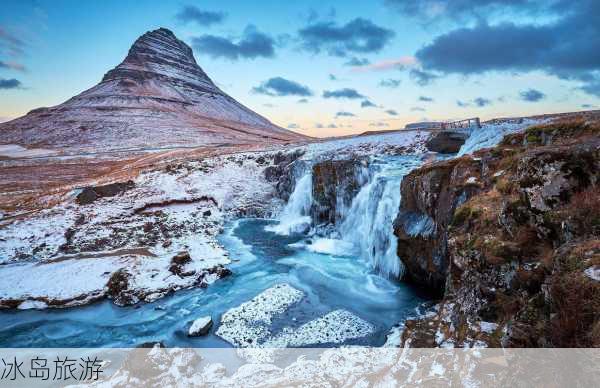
x: 200, y: 326
x: 248, y: 324
x: 488, y: 327
x: 335, y: 327
x: 139, y: 231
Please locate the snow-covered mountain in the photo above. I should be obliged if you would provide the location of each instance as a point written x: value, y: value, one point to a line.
x: 158, y: 96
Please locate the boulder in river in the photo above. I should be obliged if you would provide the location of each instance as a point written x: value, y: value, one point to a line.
x: 200, y: 326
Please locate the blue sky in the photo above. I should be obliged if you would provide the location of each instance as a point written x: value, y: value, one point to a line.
x: 421, y: 59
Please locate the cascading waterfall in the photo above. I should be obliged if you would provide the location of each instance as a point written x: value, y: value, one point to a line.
x: 365, y: 227
x: 295, y: 216
x: 368, y: 224
x: 369, y: 221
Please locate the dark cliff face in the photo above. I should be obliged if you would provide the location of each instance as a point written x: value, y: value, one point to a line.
x: 335, y: 183
x: 446, y: 142
x: 287, y: 168
x: 429, y: 197
x: 522, y: 250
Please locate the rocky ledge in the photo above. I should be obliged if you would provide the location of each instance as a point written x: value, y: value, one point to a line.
x: 510, y: 238
x: 334, y: 184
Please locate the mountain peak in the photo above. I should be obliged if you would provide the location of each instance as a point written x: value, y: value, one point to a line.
x: 157, y: 97
x: 158, y: 54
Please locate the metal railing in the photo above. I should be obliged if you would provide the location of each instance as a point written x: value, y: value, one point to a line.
x: 466, y: 123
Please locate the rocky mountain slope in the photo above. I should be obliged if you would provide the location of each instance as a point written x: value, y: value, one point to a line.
x: 510, y: 237
x: 157, y: 97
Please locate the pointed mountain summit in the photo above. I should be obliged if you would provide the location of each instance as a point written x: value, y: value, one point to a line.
x: 157, y: 97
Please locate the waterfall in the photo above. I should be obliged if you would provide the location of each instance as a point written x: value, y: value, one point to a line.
x: 368, y: 224
x: 295, y: 216
x: 365, y: 225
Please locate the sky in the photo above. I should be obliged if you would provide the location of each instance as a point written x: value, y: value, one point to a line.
x: 323, y: 68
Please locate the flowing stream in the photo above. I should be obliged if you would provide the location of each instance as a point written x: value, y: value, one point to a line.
x: 265, y: 259
x: 352, y: 268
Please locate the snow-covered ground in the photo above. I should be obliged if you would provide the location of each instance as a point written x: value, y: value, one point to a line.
x: 17, y: 151
x: 179, y: 209
x: 123, y: 246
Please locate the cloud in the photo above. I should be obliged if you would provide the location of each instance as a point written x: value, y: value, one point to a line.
x: 342, y: 93
x: 422, y: 78
x: 252, y: 44
x: 393, y: 64
x: 293, y: 126
x: 357, y: 36
x: 531, y: 95
x: 191, y: 13
x: 390, y: 83
x: 12, y: 66
x: 430, y: 9
x: 425, y: 99
x: 344, y: 114
x: 391, y: 112
x: 354, y: 61
x: 279, y: 86
x: 566, y: 47
x: 592, y: 87
x: 379, y: 124
x: 367, y: 104
x: 9, y: 83
x: 481, y: 102
x: 417, y: 109
x: 587, y: 106
x: 13, y: 45
x: 303, y: 101
x: 332, y: 126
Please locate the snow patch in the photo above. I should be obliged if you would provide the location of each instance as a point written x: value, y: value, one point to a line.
x: 333, y: 328
x: 248, y: 324
x: 593, y: 272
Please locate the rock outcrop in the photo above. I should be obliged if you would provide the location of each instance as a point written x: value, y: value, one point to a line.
x: 429, y: 197
x: 158, y: 96
x: 446, y: 142
x: 285, y: 171
x: 90, y: 194
x: 519, y: 248
x: 334, y: 184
